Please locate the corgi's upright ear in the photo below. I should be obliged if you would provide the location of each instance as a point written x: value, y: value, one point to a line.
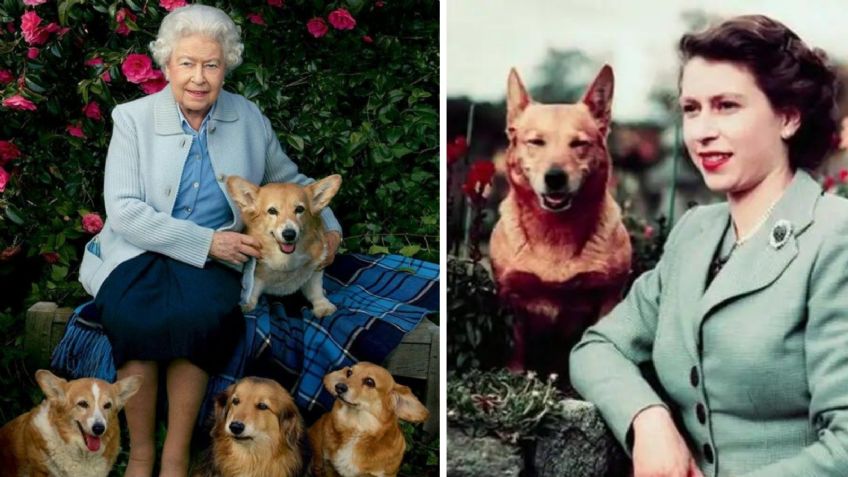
x: 322, y: 191
x: 598, y: 98
x: 126, y: 388
x: 244, y: 194
x: 517, y: 100
x: 407, y: 406
x: 52, y: 385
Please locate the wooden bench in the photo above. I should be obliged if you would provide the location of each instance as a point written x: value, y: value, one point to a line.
x: 416, y: 357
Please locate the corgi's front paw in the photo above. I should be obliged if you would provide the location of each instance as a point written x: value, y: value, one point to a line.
x: 323, y: 308
x: 249, y: 306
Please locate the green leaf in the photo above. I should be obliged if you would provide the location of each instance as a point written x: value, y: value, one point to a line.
x: 58, y: 273
x: 34, y: 86
x: 296, y: 142
x: 377, y: 249
x: 410, y: 250
x: 14, y: 214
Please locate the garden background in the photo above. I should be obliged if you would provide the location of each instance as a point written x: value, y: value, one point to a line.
x: 350, y: 86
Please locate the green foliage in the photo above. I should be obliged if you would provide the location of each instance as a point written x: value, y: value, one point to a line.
x: 510, y: 406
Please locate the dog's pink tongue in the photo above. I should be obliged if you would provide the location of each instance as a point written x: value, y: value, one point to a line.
x: 92, y: 442
x: 287, y: 247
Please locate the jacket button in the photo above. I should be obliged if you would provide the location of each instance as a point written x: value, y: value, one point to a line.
x: 701, y: 412
x: 693, y: 376
x: 708, y: 453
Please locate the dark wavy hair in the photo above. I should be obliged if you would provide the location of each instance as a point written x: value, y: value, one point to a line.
x: 791, y: 74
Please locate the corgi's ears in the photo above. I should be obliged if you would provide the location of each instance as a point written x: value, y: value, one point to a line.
x: 322, y: 191
x: 407, y: 406
x: 598, y: 98
x: 291, y: 425
x: 244, y: 193
x: 52, y: 385
x: 126, y: 388
x: 517, y: 99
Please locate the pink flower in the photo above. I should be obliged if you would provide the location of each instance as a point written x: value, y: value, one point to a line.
x: 367, y: 39
x: 34, y: 3
x: 648, y: 231
x: 123, y: 29
x: 6, y: 76
x: 256, y: 18
x: 92, y: 223
x: 19, y: 102
x: 341, y: 19
x: 8, y: 151
x: 10, y: 252
x: 32, y: 53
x: 96, y: 61
x: 171, y: 5
x: 276, y: 3
x: 317, y: 27
x: 106, y: 77
x: 75, y: 130
x: 33, y: 33
x: 4, y: 179
x: 843, y: 176
x: 379, y: 4
x: 154, y: 84
x: 137, y: 67
x: 829, y: 182
x: 53, y: 27
x: 92, y: 111
x: 50, y: 257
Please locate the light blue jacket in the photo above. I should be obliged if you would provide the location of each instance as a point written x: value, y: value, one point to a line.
x: 143, y: 169
x: 756, y: 365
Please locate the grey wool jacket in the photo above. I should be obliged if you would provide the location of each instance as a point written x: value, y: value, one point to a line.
x: 143, y: 169
x: 755, y: 366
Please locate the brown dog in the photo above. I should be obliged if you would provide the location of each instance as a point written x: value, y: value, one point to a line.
x: 360, y: 436
x: 257, y: 432
x: 285, y: 219
x: 75, y: 432
x: 560, y: 252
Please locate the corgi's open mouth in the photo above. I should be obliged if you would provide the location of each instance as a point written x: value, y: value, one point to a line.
x: 91, y: 442
x: 557, y: 201
x: 286, y: 248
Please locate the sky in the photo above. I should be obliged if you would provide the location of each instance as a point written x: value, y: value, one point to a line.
x: 485, y: 38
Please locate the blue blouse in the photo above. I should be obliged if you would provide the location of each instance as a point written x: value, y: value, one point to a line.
x: 200, y: 198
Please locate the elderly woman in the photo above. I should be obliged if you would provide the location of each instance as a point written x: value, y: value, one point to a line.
x: 745, y: 317
x: 167, y: 302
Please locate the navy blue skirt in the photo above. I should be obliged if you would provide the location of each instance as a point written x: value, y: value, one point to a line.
x: 155, y: 308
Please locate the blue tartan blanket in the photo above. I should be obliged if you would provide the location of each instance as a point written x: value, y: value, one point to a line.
x: 379, y: 300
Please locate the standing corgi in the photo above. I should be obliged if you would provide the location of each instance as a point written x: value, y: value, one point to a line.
x: 74, y: 432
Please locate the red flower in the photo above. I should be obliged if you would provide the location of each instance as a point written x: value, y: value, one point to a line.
x: 138, y: 68
x: 34, y: 3
x: 256, y: 19
x: 94, y: 61
x: 341, y: 19
x: 317, y: 27
x: 6, y: 77
x: 276, y: 3
x: 171, y: 5
x: 121, y: 16
x: 92, y: 223
x: 379, y: 4
x: 33, y: 33
x: 106, y: 77
x: 155, y: 84
x: 8, y: 152
x: 75, y: 130
x: 10, y: 252
x: 457, y: 149
x: 479, y: 177
x: 843, y: 176
x: 50, y: 257
x: 92, y: 111
x: 123, y: 29
x: 32, y: 53
x: 4, y: 179
x: 19, y: 102
x: 367, y: 39
x: 829, y: 182
x: 648, y: 232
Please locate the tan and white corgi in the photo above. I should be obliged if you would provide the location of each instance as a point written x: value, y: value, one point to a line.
x: 74, y: 432
x: 286, y: 219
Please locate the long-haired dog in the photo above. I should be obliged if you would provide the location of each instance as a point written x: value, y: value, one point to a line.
x: 361, y: 436
x: 257, y: 432
x: 286, y: 220
x: 560, y: 253
x: 74, y: 432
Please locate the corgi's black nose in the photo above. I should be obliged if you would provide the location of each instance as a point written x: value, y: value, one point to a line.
x: 289, y: 235
x: 341, y: 388
x: 556, y: 179
x: 236, y: 427
x: 98, y: 428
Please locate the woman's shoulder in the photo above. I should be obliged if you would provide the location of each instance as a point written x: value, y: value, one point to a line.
x: 830, y: 216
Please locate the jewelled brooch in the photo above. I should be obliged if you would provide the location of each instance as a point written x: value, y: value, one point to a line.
x: 780, y: 233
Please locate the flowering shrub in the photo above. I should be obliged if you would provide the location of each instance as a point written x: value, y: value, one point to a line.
x: 350, y: 87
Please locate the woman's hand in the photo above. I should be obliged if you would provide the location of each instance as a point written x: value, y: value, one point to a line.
x: 658, y: 448
x: 333, y: 240
x: 234, y: 247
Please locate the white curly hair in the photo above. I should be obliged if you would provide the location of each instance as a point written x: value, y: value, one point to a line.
x: 198, y: 19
